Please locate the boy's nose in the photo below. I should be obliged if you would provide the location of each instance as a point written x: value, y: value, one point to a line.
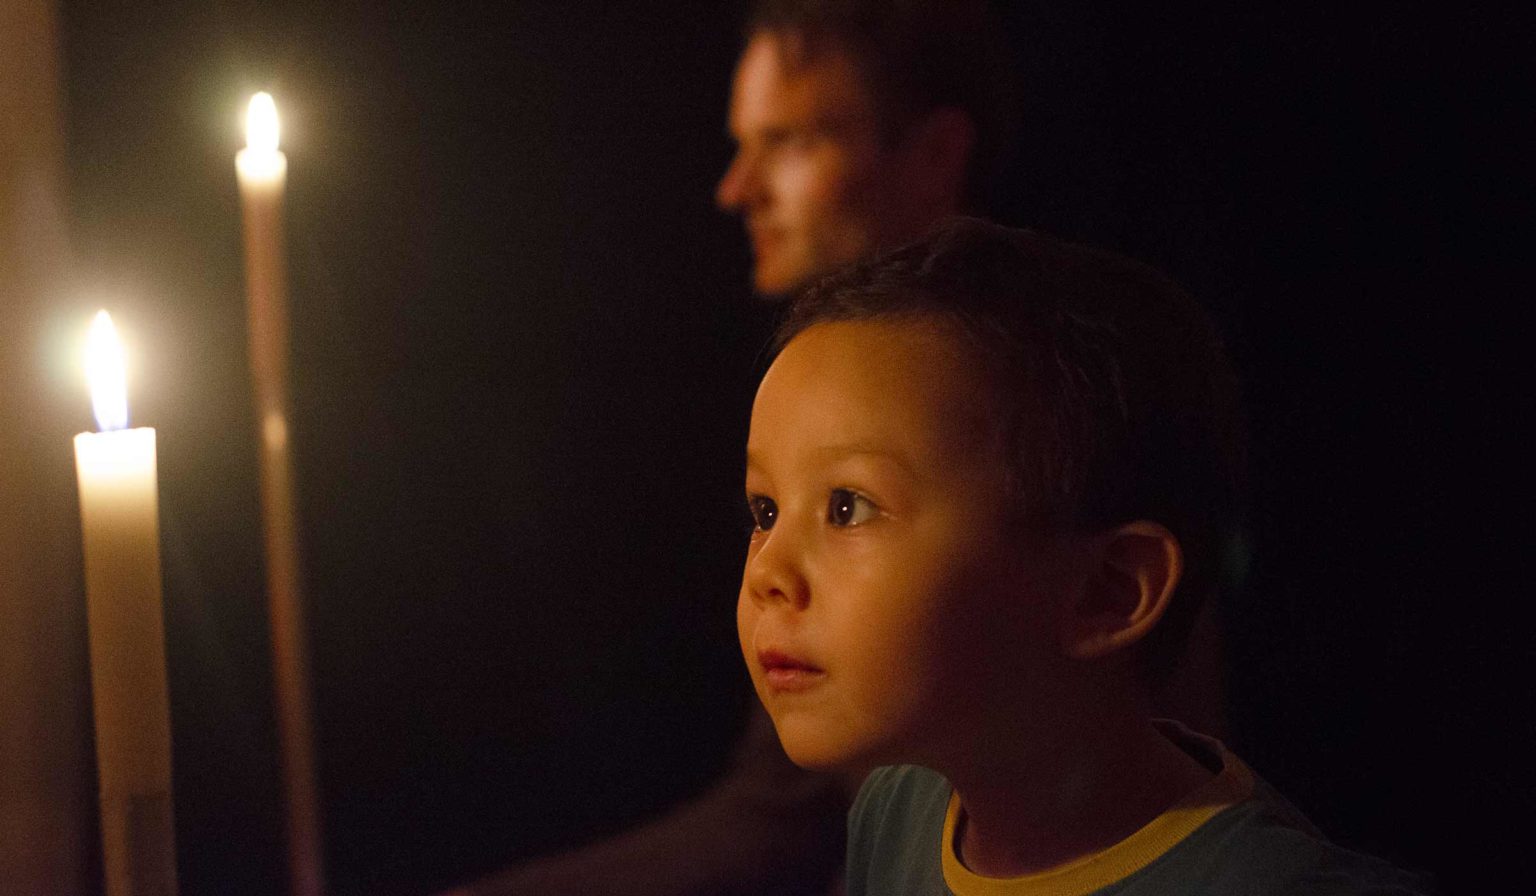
x: 773, y: 573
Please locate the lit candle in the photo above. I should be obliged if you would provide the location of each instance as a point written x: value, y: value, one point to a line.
x: 262, y: 171
x: 119, y: 521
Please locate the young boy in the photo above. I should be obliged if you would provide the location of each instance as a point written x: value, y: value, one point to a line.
x: 992, y: 475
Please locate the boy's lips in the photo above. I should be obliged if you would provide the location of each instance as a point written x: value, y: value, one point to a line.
x: 786, y: 672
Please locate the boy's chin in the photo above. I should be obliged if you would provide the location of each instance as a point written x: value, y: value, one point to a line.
x: 815, y: 760
x: 815, y: 751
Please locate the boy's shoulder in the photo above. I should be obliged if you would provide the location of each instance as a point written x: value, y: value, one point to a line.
x: 1264, y: 845
x: 1260, y: 846
x: 895, y: 832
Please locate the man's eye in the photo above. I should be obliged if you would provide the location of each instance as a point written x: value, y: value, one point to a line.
x: 846, y: 507
x: 787, y: 140
x: 764, y: 512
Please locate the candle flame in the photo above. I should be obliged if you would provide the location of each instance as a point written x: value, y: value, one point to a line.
x: 261, y: 123
x: 105, y: 369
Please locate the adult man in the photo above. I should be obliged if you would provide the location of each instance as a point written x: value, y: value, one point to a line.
x: 858, y: 126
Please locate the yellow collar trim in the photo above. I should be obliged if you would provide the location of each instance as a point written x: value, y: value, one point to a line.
x: 1230, y: 786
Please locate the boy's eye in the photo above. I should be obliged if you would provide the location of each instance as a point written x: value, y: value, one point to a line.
x: 846, y: 507
x: 764, y: 512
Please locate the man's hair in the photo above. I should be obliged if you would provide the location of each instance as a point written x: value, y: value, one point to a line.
x: 915, y: 56
x: 1116, y: 400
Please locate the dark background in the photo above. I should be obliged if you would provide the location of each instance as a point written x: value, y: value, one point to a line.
x: 524, y: 353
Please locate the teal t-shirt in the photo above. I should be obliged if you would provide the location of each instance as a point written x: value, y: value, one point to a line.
x: 1237, y: 837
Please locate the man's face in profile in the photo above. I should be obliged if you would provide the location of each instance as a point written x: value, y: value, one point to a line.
x: 812, y: 178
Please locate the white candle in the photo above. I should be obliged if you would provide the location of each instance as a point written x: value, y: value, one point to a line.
x: 262, y: 172
x: 120, y: 530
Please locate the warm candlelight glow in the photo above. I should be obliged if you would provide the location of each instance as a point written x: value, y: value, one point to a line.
x: 261, y: 123
x: 261, y: 165
x: 104, y: 369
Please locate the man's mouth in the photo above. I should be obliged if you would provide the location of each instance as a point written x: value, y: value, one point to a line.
x: 763, y: 237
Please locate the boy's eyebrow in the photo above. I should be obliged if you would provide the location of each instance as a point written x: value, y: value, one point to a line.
x: 855, y: 450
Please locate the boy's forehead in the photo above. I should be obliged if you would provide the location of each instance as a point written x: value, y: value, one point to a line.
x: 902, y: 387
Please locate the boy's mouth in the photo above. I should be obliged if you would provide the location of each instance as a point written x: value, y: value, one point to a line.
x: 784, y: 672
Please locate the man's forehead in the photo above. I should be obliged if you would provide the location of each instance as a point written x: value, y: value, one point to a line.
x: 796, y: 50
x: 780, y: 77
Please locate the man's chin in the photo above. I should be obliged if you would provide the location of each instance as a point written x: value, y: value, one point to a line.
x: 774, y: 284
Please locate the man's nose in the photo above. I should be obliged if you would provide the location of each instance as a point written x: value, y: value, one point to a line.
x: 736, y: 184
x: 775, y: 572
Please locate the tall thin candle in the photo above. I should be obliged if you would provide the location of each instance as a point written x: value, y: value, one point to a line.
x: 120, y: 533
x: 263, y: 171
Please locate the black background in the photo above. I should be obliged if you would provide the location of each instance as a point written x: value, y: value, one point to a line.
x: 524, y: 352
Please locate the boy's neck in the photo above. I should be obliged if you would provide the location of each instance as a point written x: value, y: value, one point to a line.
x: 1093, y: 789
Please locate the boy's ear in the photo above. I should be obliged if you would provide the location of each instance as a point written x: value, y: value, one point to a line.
x: 1132, y: 572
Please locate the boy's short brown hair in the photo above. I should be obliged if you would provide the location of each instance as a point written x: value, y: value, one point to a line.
x: 1119, y: 401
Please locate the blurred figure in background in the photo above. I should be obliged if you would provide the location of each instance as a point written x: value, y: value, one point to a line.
x: 858, y: 126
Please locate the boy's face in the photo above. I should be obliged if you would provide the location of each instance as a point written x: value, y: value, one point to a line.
x: 885, y: 595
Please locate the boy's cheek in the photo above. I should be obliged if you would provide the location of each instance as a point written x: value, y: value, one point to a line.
x: 747, y: 617
x: 746, y: 620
